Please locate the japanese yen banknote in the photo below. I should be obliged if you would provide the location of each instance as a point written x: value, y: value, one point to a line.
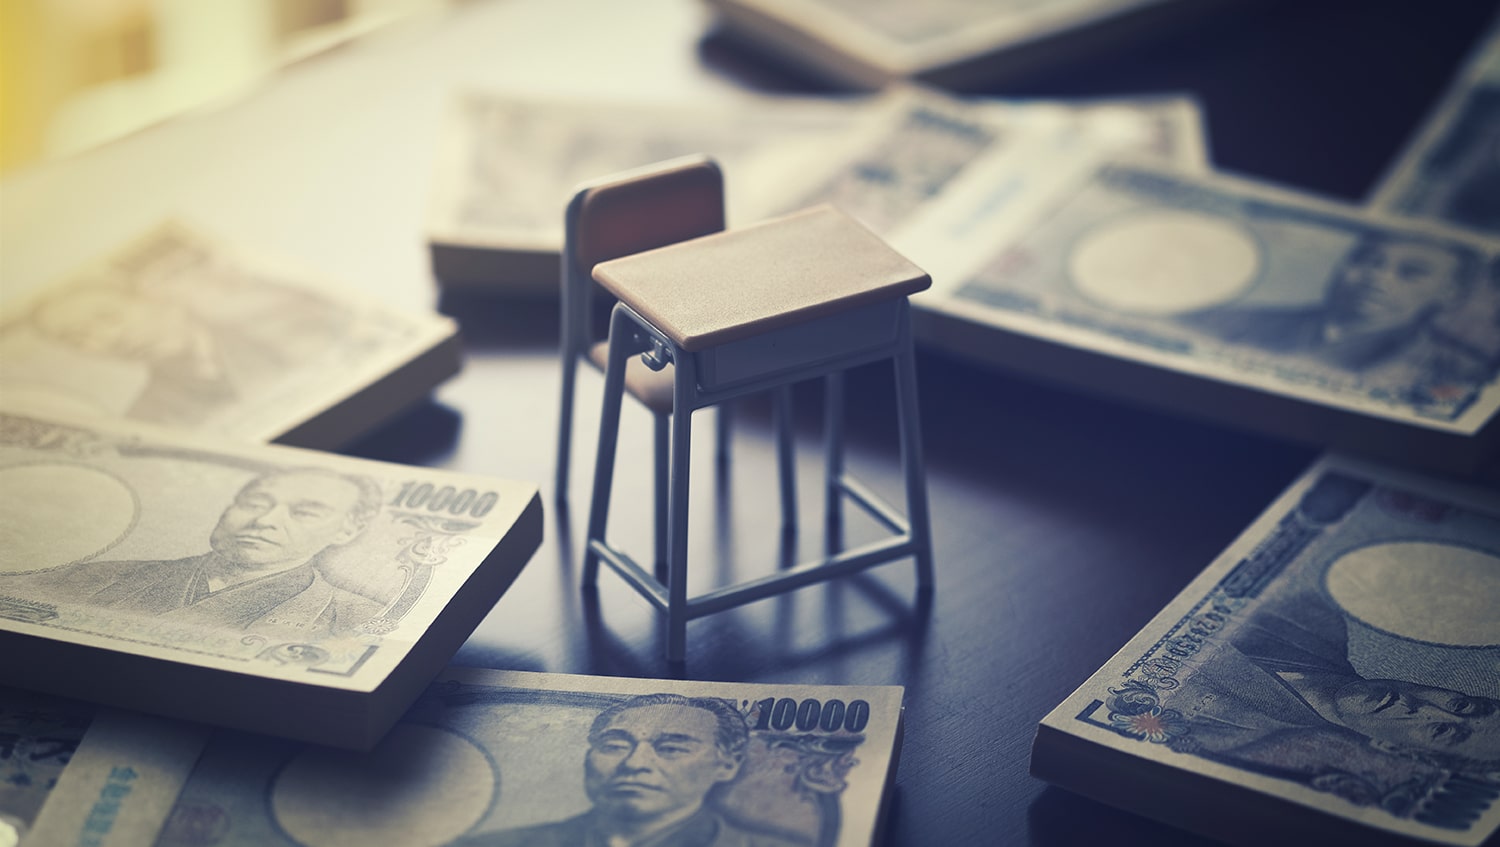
x: 1336, y: 669
x: 507, y: 758
x: 283, y: 590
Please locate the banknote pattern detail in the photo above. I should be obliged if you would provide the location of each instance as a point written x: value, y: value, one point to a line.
x: 1452, y: 172
x: 38, y: 736
x: 512, y: 766
x: 306, y: 567
x: 1293, y: 667
x: 174, y: 330
x: 1303, y: 297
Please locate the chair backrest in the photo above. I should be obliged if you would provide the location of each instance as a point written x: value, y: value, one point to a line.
x: 627, y: 213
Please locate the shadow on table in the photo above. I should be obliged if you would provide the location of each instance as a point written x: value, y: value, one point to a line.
x: 498, y: 323
x: 1058, y: 818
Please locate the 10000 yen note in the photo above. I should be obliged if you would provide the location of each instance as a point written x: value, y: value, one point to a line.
x: 178, y: 329
x: 921, y: 142
x: 1451, y: 171
x: 38, y: 736
x: 1305, y: 304
x: 506, y: 167
x: 1340, y: 656
x: 490, y: 758
x: 221, y: 583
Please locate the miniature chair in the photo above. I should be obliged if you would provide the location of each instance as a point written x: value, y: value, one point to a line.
x: 629, y: 213
x: 807, y: 295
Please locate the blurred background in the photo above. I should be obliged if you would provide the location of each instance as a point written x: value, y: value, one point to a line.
x: 77, y: 73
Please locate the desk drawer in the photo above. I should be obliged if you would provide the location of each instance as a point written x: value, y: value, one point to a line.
x: 804, y: 345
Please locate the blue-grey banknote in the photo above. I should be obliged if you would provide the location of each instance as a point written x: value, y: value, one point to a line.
x: 38, y: 736
x: 1343, y: 655
x: 1217, y: 281
x: 502, y: 758
x: 921, y: 141
x: 179, y: 329
x: 1451, y: 170
x: 210, y: 579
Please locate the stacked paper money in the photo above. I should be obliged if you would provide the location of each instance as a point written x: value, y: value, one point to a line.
x: 872, y: 43
x: 1329, y: 679
x: 495, y: 758
x: 506, y: 167
x: 182, y: 330
x: 1087, y: 244
x: 1451, y: 170
x: 296, y: 593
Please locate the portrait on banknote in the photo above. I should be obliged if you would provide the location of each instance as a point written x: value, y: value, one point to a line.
x: 167, y: 544
x: 490, y: 759
x: 1349, y: 658
x: 651, y: 765
x: 1379, y: 306
x: 262, y: 569
x: 1295, y: 296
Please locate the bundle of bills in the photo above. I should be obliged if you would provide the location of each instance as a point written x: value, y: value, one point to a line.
x: 1451, y: 170
x: 505, y: 758
x: 1329, y: 679
x: 868, y: 44
x: 178, y: 329
x: 267, y: 588
x: 918, y: 144
x: 1217, y: 298
x: 506, y: 167
x: 38, y: 736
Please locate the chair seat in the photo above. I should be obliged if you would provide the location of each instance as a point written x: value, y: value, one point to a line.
x: 652, y: 388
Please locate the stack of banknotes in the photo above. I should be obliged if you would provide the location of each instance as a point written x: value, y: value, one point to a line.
x: 1332, y: 678
x: 1090, y: 244
x: 872, y: 43
x: 157, y: 554
x: 181, y: 329
x: 488, y: 757
x: 272, y: 619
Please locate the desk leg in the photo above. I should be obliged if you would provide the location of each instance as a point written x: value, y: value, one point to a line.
x: 565, y: 425
x: 909, y: 414
x: 833, y: 449
x: 623, y: 342
x: 684, y: 382
x: 662, y: 437
x: 786, y: 456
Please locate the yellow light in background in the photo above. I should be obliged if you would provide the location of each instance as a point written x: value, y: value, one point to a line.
x: 77, y: 73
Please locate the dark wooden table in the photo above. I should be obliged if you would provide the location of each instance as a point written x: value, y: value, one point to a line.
x: 1062, y: 523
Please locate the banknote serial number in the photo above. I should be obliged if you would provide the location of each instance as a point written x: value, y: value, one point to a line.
x: 424, y: 495
x: 810, y: 714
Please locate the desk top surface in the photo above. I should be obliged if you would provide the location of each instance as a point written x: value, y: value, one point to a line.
x: 1061, y: 523
x: 731, y: 285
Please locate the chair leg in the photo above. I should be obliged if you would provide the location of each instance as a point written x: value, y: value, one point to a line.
x: 833, y: 441
x: 661, y: 452
x: 565, y: 427
x: 909, y: 419
x: 677, y: 516
x: 786, y: 456
x: 622, y: 343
